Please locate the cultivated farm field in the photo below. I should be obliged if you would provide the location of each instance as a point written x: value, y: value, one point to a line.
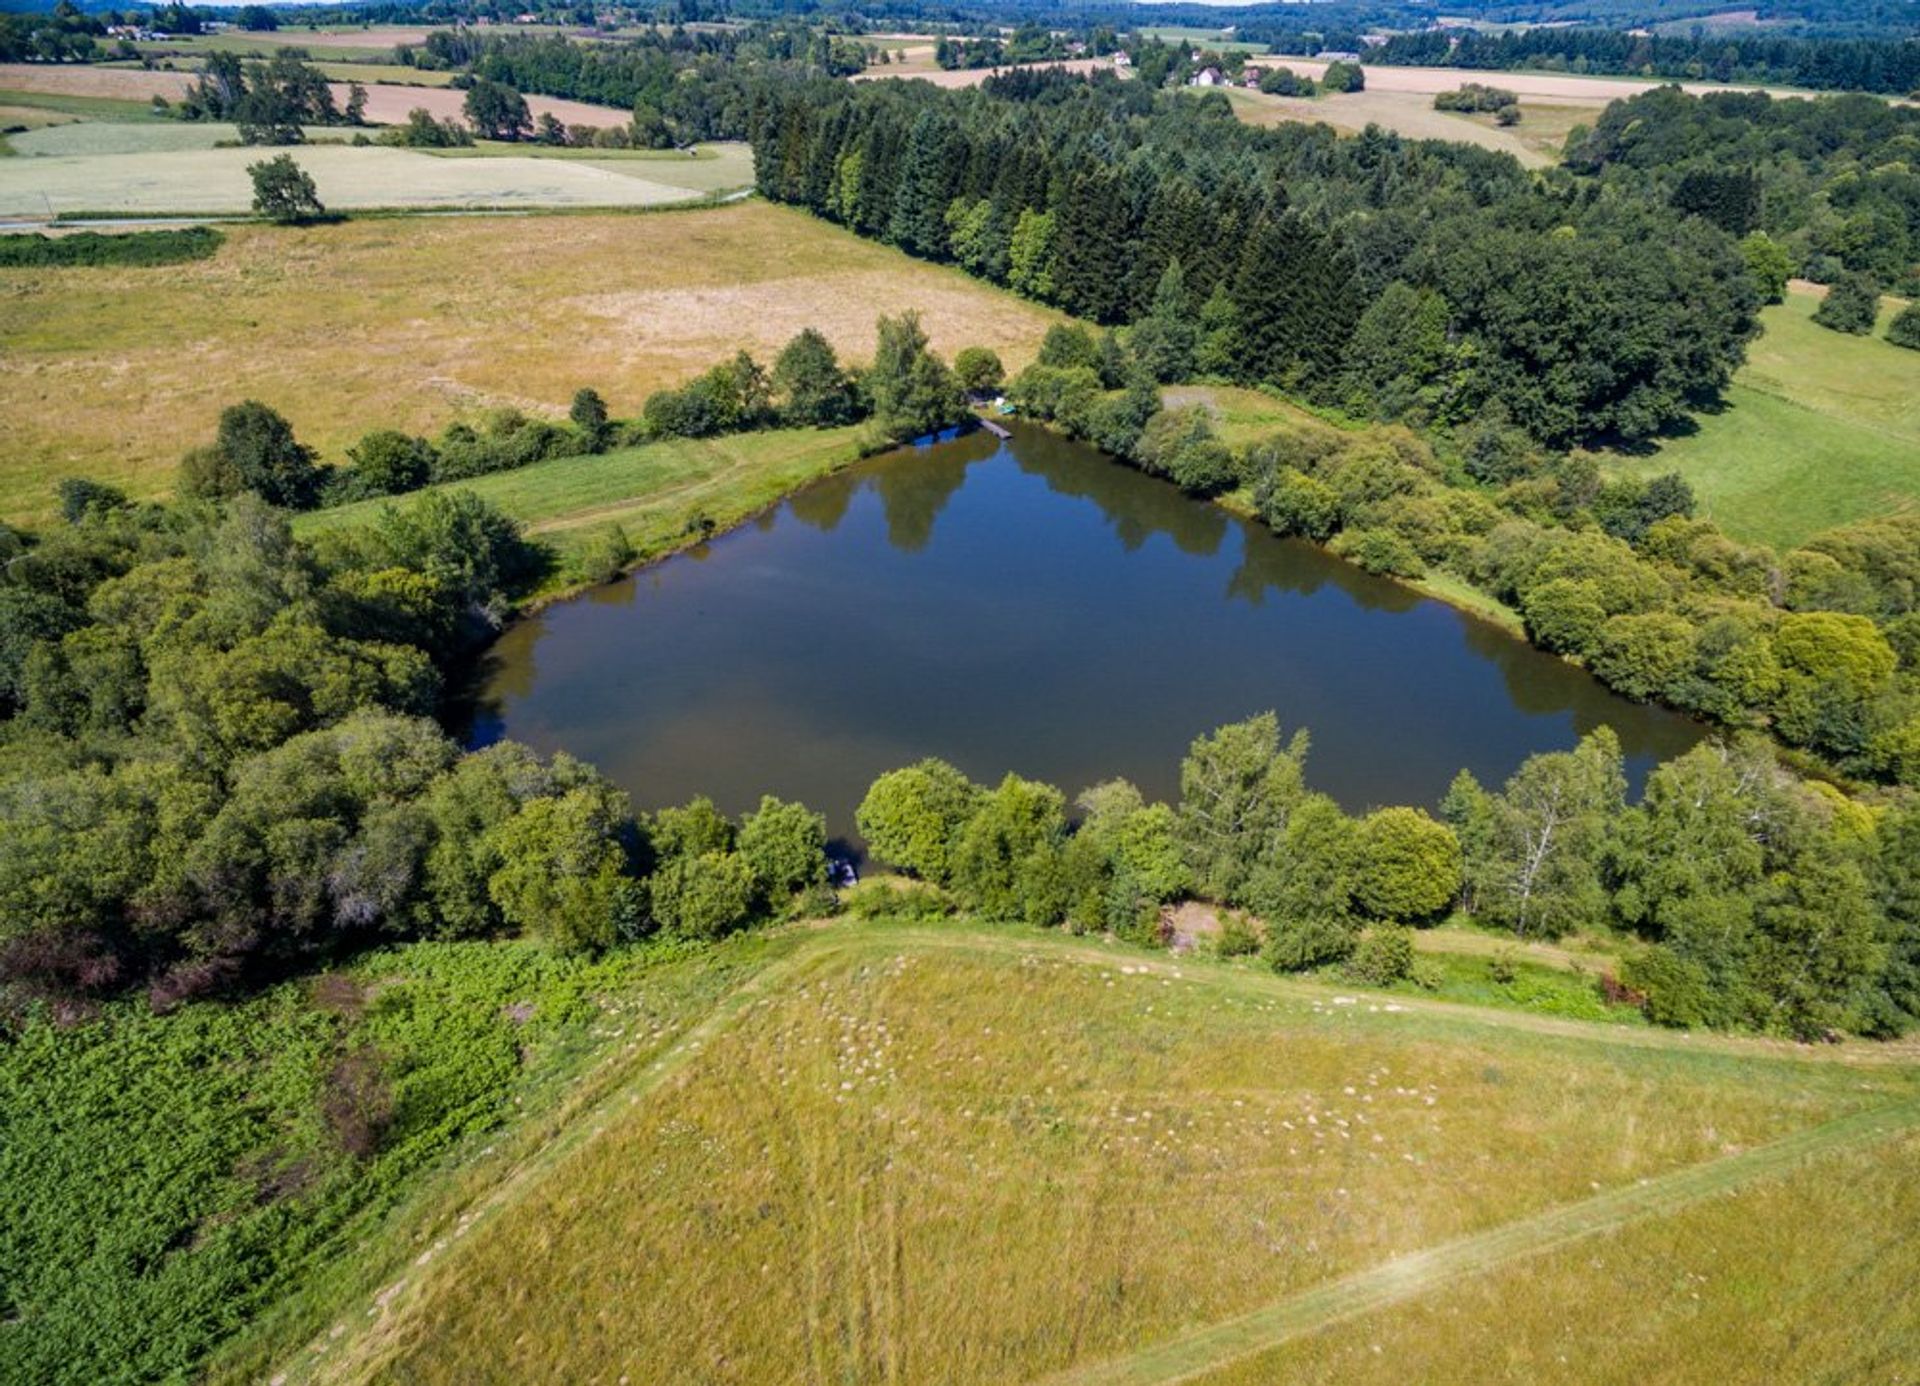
x: 1820, y: 429
x: 406, y: 323
x: 1006, y: 1155
x: 183, y: 179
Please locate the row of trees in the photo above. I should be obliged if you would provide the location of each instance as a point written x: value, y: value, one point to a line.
x: 907, y: 391
x: 272, y: 101
x: 1580, y: 316
x: 1877, y: 65
x: 1762, y: 901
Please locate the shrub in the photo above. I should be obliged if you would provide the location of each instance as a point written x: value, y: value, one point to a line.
x: 1677, y: 990
x: 605, y: 555
x: 1904, y: 330
x: 283, y: 192
x: 1238, y: 937
x: 1409, y: 865
x: 786, y: 847
x: 704, y: 896
x: 1383, y: 956
x: 912, y: 817
x: 908, y: 900
x: 1379, y: 551
x: 1852, y: 305
x: 390, y: 463
x: 979, y: 370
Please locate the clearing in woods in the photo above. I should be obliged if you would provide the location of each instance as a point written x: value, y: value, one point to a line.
x: 1819, y: 429
x: 407, y: 322
x: 1007, y: 1155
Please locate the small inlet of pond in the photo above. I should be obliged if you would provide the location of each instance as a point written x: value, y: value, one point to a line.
x: 1024, y: 604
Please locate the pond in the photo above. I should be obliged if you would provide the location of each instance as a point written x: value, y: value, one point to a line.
x: 1026, y: 605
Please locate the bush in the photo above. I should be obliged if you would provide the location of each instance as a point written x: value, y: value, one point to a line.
x: 1678, y: 992
x: 1379, y: 551
x: 1238, y: 937
x: 390, y: 463
x: 1852, y: 305
x: 906, y: 900
x: 979, y: 370
x: 605, y: 555
x: 1904, y: 330
x: 1383, y: 956
x: 704, y: 896
x: 1409, y: 865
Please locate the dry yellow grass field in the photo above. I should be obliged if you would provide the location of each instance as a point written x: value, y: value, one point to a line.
x: 1407, y: 113
x: 404, y: 323
x: 973, y: 1155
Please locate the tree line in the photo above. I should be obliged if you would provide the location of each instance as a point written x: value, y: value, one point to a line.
x: 1579, y: 316
x: 1888, y: 65
x: 1757, y: 900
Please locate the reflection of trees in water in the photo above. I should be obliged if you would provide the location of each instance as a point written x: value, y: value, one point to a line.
x: 1137, y: 505
x: 1545, y: 685
x: 914, y: 489
x: 823, y: 505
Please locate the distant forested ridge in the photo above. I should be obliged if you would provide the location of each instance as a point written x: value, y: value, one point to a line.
x: 1875, y: 65
x: 1582, y: 316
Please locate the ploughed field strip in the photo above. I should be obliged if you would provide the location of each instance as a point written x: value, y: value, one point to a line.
x: 1014, y: 1157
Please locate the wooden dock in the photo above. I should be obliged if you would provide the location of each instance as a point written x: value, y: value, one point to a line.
x: 997, y: 430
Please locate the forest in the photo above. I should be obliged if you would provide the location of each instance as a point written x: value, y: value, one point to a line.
x: 1589, y: 317
x: 1890, y: 65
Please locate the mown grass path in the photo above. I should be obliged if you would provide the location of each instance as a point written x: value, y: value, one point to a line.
x: 1406, y: 1277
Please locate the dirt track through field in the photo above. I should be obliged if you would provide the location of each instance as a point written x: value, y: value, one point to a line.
x: 1407, y: 1277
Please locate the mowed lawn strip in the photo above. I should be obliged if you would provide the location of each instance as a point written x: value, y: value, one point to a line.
x: 1804, y: 1276
x: 1395, y: 1282
x: 1819, y: 429
x: 988, y: 1155
x: 408, y: 323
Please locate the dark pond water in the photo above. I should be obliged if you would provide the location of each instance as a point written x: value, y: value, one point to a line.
x: 1029, y: 606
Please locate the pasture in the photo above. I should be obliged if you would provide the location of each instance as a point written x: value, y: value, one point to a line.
x: 1408, y: 114
x: 406, y: 323
x: 192, y: 179
x: 993, y: 1155
x: 1820, y: 429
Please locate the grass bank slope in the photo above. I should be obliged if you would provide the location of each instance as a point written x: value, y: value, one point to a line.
x: 652, y: 492
x: 1820, y: 429
x: 405, y: 323
x: 964, y: 1154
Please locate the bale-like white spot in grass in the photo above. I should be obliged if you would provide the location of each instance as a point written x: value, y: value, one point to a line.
x: 1345, y: 1001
